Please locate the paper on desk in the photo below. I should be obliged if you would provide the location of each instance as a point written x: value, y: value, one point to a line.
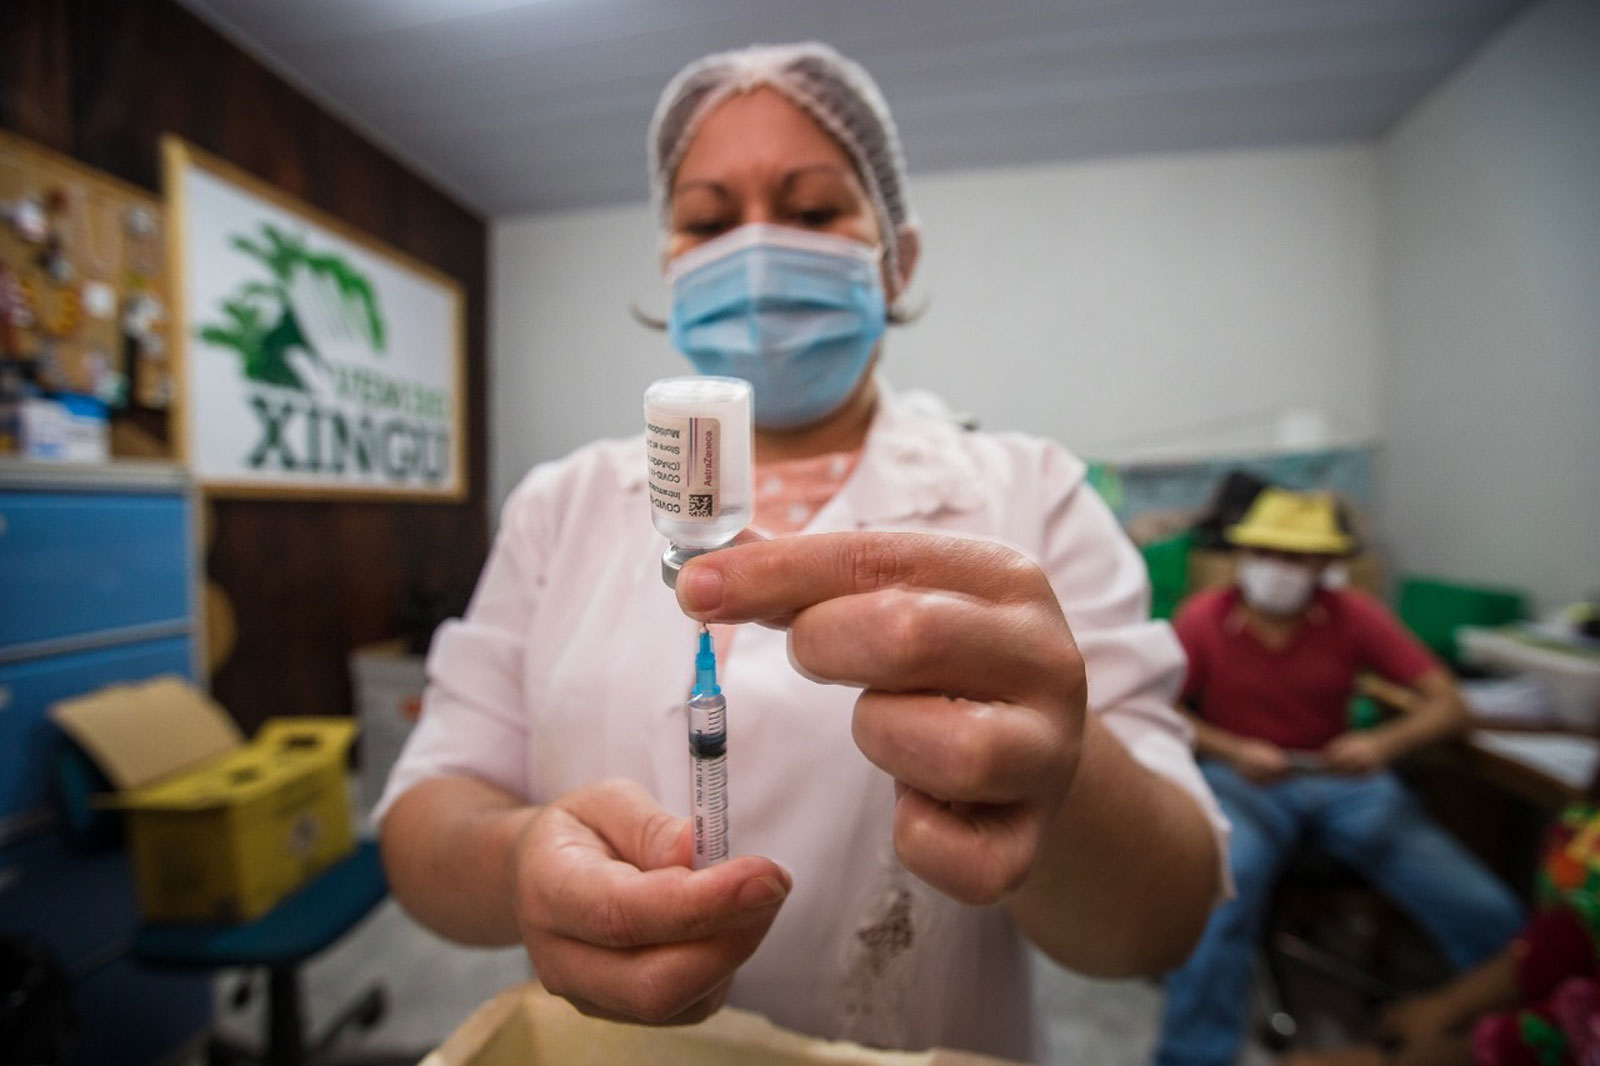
x: 1567, y: 758
x: 1509, y: 699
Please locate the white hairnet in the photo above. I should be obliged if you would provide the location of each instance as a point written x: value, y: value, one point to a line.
x: 838, y: 93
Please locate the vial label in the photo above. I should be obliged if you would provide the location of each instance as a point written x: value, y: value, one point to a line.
x: 684, y: 454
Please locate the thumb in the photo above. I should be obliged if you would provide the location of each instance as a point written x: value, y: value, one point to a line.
x: 638, y: 830
x: 669, y: 848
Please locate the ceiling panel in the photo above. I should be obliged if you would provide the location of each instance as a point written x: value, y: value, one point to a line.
x: 534, y: 105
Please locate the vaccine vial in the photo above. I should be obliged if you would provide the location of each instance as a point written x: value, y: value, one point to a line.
x: 697, y: 442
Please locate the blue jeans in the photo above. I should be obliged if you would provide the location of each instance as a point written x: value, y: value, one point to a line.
x: 1374, y: 826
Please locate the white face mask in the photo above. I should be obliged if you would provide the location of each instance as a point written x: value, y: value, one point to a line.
x: 1275, y: 587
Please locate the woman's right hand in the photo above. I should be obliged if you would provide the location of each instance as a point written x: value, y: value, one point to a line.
x: 615, y: 921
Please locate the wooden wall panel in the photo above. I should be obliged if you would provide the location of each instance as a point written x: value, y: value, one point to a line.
x: 101, y: 80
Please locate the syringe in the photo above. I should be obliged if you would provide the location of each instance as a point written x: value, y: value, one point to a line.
x: 708, y: 751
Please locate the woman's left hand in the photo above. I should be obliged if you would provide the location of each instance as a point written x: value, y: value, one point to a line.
x: 974, y: 691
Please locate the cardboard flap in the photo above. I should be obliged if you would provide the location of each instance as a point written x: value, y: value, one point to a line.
x: 527, y: 1026
x: 141, y: 733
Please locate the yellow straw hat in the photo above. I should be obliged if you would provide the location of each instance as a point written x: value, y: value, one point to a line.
x: 1285, y: 521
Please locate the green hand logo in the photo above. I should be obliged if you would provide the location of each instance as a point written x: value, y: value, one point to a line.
x: 264, y: 321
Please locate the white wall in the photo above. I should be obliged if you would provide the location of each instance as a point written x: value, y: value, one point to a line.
x: 1152, y: 305
x: 567, y: 364
x: 1490, y: 200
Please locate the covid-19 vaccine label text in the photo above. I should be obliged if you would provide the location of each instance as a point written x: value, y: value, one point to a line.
x: 684, y: 456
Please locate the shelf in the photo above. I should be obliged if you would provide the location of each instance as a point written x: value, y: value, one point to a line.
x: 118, y: 476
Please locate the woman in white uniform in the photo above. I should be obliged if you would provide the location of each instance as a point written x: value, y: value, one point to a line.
x: 951, y: 736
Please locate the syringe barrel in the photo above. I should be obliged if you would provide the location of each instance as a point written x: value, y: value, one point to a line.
x: 708, y: 752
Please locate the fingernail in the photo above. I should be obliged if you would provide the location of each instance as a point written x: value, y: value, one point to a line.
x: 700, y: 588
x: 762, y: 892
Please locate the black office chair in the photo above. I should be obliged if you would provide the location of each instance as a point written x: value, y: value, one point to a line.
x: 300, y: 927
x: 1316, y: 891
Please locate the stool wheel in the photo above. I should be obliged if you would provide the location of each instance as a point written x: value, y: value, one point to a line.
x: 372, y: 1009
x: 1278, y: 1031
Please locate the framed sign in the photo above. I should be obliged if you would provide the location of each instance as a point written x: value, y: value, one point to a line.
x: 314, y: 361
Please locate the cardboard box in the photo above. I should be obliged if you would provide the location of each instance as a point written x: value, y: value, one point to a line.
x: 219, y: 830
x: 527, y: 1026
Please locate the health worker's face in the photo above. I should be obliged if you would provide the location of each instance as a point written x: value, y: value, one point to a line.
x: 760, y: 158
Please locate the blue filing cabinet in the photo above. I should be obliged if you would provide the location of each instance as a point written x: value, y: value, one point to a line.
x: 98, y: 584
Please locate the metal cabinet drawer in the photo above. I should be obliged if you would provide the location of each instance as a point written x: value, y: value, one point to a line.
x: 73, y: 563
x: 29, y: 687
x: 81, y: 907
x: 131, y: 1015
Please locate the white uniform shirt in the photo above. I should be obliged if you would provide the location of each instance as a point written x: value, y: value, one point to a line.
x: 573, y: 662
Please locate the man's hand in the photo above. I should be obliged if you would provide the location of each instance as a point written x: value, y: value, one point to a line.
x: 1356, y: 754
x: 1430, y: 711
x: 614, y: 920
x: 1258, y: 761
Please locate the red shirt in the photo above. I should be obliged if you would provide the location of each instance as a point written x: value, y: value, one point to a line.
x: 1297, y: 696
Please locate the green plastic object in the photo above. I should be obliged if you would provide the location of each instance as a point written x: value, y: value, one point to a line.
x: 1365, y: 712
x: 1434, y: 609
x: 1105, y: 480
x: 1168, y: 563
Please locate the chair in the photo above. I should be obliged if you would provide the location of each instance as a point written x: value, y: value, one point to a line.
x: 1313, y: 887
x: 300, y: 927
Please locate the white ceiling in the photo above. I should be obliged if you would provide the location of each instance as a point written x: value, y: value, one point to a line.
x: 533, y: 105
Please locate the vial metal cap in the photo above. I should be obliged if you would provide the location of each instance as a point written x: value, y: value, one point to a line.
x: 672, y: 561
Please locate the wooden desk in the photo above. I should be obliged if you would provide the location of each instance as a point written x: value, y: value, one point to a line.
x: 1498, y: 806
x: 1477, y: 754
x: 1536, y: 784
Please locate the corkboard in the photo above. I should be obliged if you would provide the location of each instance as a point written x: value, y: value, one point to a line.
x: 84, y: 302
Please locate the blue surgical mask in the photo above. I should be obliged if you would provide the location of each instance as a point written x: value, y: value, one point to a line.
x: 794, y: 313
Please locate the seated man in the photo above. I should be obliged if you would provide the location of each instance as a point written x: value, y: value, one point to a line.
x: 1273, y: 663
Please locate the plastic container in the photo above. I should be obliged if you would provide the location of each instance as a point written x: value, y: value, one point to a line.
x: 388, y: 687
x: 229, y: 840
x: 1434, y: 609
x: 1168, y: 564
